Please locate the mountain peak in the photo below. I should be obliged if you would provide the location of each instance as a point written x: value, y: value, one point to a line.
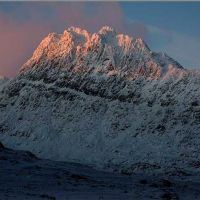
x: 76, y: 30
x: 105, y: 52
x: 106, y: 29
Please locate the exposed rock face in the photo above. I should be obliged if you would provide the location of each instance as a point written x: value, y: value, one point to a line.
x: 103, y: 99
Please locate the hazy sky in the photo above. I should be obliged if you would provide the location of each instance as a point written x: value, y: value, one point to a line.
x: 169, y: 27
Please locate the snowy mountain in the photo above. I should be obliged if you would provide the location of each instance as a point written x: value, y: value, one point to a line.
x: 105, y: 100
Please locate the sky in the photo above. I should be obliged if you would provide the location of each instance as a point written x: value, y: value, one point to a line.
x: 171, y: 27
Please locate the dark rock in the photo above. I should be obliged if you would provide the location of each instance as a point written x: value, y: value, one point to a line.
x: 169, y: 196
x: 143, y: 181
x: 1, y: 146
x: 166, y: 183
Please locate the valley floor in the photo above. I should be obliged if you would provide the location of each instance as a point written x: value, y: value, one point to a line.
x: 23, y: 176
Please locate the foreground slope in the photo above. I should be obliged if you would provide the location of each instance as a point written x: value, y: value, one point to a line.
x: 22, y: 175
x: 105, y: 100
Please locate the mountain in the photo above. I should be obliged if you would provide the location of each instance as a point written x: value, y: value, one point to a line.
x: 105, y: 100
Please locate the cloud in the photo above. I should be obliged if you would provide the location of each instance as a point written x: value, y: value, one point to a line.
x: 27, y: 23
x: 17, y: 40
x: 109, y: 14
x: 185, y: 49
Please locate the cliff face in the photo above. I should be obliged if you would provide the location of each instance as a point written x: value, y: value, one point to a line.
x: 103, y: 99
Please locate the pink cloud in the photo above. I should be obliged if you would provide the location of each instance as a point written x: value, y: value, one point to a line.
x: 18, y: 39
x: 104, y: 14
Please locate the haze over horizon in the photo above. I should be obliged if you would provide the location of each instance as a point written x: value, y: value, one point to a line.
x: 168, y: 27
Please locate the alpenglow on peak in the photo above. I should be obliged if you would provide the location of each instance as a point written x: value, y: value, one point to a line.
x: 105, y: 53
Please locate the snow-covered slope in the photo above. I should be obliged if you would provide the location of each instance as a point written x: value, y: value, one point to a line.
x: 106, y: 100
x: 3, y: 81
